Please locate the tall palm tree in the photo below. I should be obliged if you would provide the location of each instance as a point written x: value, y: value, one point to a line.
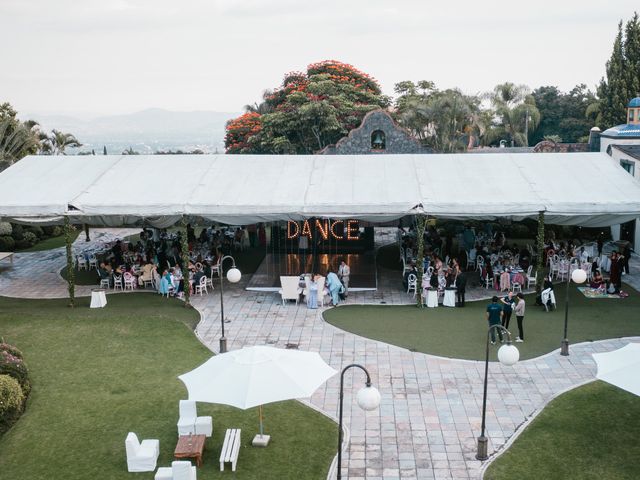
x: 516, y: 112
x: 60, y: 141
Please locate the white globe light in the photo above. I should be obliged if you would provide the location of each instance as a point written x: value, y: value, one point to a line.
x: 368, y: 398
x: 508, y: 355
x: 234, y: 275
x: 579, y: 276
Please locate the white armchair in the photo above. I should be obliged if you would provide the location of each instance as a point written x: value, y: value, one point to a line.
x: 179, y: 470
x: 290, y: 289
x: 141, y: 457
x: 190, y: 423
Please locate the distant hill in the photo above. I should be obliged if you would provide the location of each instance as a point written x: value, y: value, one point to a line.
x: 146, y: 131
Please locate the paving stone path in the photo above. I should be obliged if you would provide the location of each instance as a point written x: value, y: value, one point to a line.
x: 429, y: 418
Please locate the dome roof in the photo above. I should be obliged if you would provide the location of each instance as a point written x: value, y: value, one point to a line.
x: 623, y: 131
x: 635, y: 102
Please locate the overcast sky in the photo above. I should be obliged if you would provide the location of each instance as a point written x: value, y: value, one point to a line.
x: 120, y: 56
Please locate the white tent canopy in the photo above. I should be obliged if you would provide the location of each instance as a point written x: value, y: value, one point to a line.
x: 572, y: 188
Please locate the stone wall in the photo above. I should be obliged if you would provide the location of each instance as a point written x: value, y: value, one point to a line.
x: 358, y: 142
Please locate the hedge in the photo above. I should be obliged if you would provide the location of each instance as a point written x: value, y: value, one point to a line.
x: 15, y: 367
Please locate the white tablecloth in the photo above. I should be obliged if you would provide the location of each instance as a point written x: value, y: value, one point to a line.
x: 432, y: 298
x: 98, y: 298
x: 449, y: 298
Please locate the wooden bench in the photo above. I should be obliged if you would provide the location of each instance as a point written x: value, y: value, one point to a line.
x: 230, y: 448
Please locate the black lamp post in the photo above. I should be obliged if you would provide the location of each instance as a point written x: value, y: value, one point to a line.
x: 507, y: 355
x: 368, y: 398
x: 578, y: 276
x: 233, y: 275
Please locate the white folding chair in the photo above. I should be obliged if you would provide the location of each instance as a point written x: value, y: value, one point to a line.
x: 129, y: 281
x: 118, y: 283
x: 202, y: 286
x: 412, y: 282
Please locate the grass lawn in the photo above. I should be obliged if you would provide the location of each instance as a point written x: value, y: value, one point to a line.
x: 51, y: 243
x: 98, y: 374
x: 588, y: 433
x: 461, y: 332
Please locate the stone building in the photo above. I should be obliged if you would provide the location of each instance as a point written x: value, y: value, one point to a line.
x: 377, y: 134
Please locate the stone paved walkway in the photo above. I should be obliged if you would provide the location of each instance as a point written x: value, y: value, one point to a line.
x: 429, y: 418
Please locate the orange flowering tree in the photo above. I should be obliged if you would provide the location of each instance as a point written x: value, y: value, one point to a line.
x: 307, y: 112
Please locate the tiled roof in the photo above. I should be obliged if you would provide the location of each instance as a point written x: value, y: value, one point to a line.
x: 623, y: 131
x: 635, y: 102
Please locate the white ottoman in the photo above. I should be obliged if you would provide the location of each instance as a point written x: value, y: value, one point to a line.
x: 204, y: 426
x: 164, y: 473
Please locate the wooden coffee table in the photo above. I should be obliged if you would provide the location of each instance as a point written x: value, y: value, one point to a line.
x: 190, y: 446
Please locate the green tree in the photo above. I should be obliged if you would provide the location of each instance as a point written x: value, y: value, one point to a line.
x: 447, y: 121
x: 515, y: 113
x: 562, y: 115
x: 17, y: 139
x: 59, y: 141
x: 307, y: 112
x: 622, y: 82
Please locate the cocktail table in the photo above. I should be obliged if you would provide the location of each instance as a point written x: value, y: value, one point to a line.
x: 190, y: 446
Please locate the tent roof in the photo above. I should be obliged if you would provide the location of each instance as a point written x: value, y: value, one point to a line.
x: 573, y: 188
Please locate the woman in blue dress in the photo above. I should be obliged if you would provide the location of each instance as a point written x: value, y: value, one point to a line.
x: 312, y: 299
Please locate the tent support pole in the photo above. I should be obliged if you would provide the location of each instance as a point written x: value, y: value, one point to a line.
x: 71, y: 277
x: 185, y: 263
x: 421, y: 225
x: 86, y: 233
x: 540, y: 249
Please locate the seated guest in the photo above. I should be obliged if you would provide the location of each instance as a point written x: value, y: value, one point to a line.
x: 597, y: 281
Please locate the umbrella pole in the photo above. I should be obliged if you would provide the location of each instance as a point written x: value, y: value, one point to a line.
x: 261, y: 440
x: 261, y: 423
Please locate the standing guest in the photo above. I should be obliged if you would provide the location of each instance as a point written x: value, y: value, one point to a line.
x: 494, y: 317
x: 507, y: 309
x: 335, y: 285
x: 615, y: 273
x: 519, y: 311
x: 343, y: 274
x: 625, y: 259
x: 461, y: 286
x: 600, y: 243
x: 312, y: 294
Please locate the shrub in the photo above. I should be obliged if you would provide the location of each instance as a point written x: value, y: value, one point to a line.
x: 5, y: 228
x: 29, y: 238
x: 57, y: 231
x: 36, y: 230
x: 7, y: 244
x: 16, y: 368
x: 11, y: 402
x: 17, y: 232
x: 10, y: 349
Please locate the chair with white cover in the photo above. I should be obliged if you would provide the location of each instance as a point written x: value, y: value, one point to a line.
x: 412, y: 282
x: 179, y: 470
x: 118, y: 282
x: 290, y: 289
x: 531, y: 279
x: 471, y: 258
x: 190, y: 423
x: 321, y: 289
x: 202, y: 286
x: 141, y: 457
x: 129, y: 281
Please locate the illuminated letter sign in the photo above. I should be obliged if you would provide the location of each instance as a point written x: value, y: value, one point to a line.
x: 324, y: 228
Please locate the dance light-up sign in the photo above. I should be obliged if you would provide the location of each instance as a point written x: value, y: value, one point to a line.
x: 323, y: 228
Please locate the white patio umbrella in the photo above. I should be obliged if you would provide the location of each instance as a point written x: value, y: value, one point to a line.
x: 620, y: 367
x: 254, y: 376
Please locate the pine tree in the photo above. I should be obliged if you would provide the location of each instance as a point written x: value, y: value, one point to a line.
x: 622, y: 75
